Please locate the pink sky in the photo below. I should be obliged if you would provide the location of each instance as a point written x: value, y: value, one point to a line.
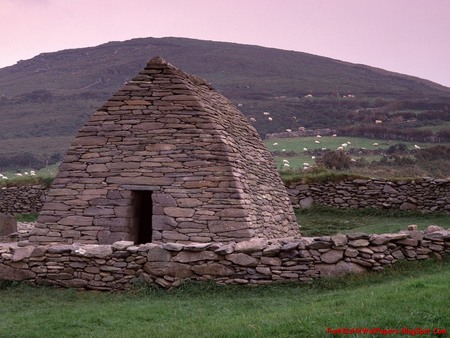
x: 405, y: 36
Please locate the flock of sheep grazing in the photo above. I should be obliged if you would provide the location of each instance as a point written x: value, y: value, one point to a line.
x: 26, y: 173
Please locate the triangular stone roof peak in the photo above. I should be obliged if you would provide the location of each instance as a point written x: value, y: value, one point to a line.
x: 167, y: 159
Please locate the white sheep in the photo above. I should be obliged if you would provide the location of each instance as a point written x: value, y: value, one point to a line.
x: 318, y: 142
x: 324, y: 148
x: 340, y: 148
x: 270, y: 119
x: 305, y: 149
x: 334, y: 135
x: 19, y: 174
x: 349, y: 143
x: 285, y: 161
x: 266, y: 113
x: 375, y: 144
x: 306, y: 164
x: 252, y: 119
x: 275, y: 144
x: 289, y: 130
x: 318, y: 136
x: 287, y: 165
x: 313, y: 157
x: 283, y: 149
x: 416, y: 146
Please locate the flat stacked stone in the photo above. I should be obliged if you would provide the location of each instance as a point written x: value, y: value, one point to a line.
x: 424, y: 194
x: 254, y: 262
x: 170, y: 133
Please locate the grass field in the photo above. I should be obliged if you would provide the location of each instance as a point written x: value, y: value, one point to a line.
x: 328, y: 221
x: 300, y: 150
x: 332, y: 143
x: 410, y: 295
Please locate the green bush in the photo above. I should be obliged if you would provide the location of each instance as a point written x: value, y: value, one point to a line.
x: 337, y: 160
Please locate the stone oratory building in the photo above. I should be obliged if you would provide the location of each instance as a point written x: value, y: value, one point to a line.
x: 166, y: 159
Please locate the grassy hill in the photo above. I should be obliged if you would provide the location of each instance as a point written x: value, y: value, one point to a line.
x: 45, y: 100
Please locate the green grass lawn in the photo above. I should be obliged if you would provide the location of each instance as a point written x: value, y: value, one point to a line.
x: 295, y: 153
x: 319, y: 221
x: 409, y: 295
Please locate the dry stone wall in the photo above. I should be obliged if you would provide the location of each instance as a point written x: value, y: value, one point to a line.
x: 23, y: 199
x: 425, y: 195
x: 258, y: 261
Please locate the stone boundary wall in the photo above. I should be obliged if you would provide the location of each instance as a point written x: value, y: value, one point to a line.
x: 301, y: 132
x: 22, y: 199
x: 255, y: 262
x: 425, y: 194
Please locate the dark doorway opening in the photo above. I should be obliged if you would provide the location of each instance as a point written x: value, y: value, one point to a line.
x: 143, y: 214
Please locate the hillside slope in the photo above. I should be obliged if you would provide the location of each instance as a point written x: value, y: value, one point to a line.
x: 45, y: 100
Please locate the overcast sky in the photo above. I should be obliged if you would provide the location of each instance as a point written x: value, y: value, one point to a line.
x: 405, y: 36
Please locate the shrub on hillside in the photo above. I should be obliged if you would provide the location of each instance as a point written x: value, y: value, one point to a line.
x: 337, y: 160
x: 433, y: 153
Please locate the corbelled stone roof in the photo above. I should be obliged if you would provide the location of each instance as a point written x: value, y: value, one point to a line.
x: 170, y: 135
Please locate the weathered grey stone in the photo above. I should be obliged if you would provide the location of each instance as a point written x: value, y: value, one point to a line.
x: 350, y: 252
x: 225, y: 249
x: 272, y: 249
x: 388, y: 189
x: 271, y: 261
x: 197, y: 246
x: 256, y: 244
x: 433, y: 228
x: 22, y: 253
x: 11, y: 274
x: 122, y: 245
x: 94, y: 250
x: 8, y: 225
x: 172, y: 246
x: 158, y: 254
x: 408, y: 241
x: 160, y: 222
x: 178, y: 212
x: 58, y: 249
x: 242, y: 259
x: 339, y: 269
x: 358, y: 243
x: 398, y: 254
x: 339, y: 240
x: 332, y: 256
x: 213, y: 269
x: 193, y: 256
x: 437, y: 235
x: 412, y: 227
x: 320, y: 245
x: 306, y: 203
